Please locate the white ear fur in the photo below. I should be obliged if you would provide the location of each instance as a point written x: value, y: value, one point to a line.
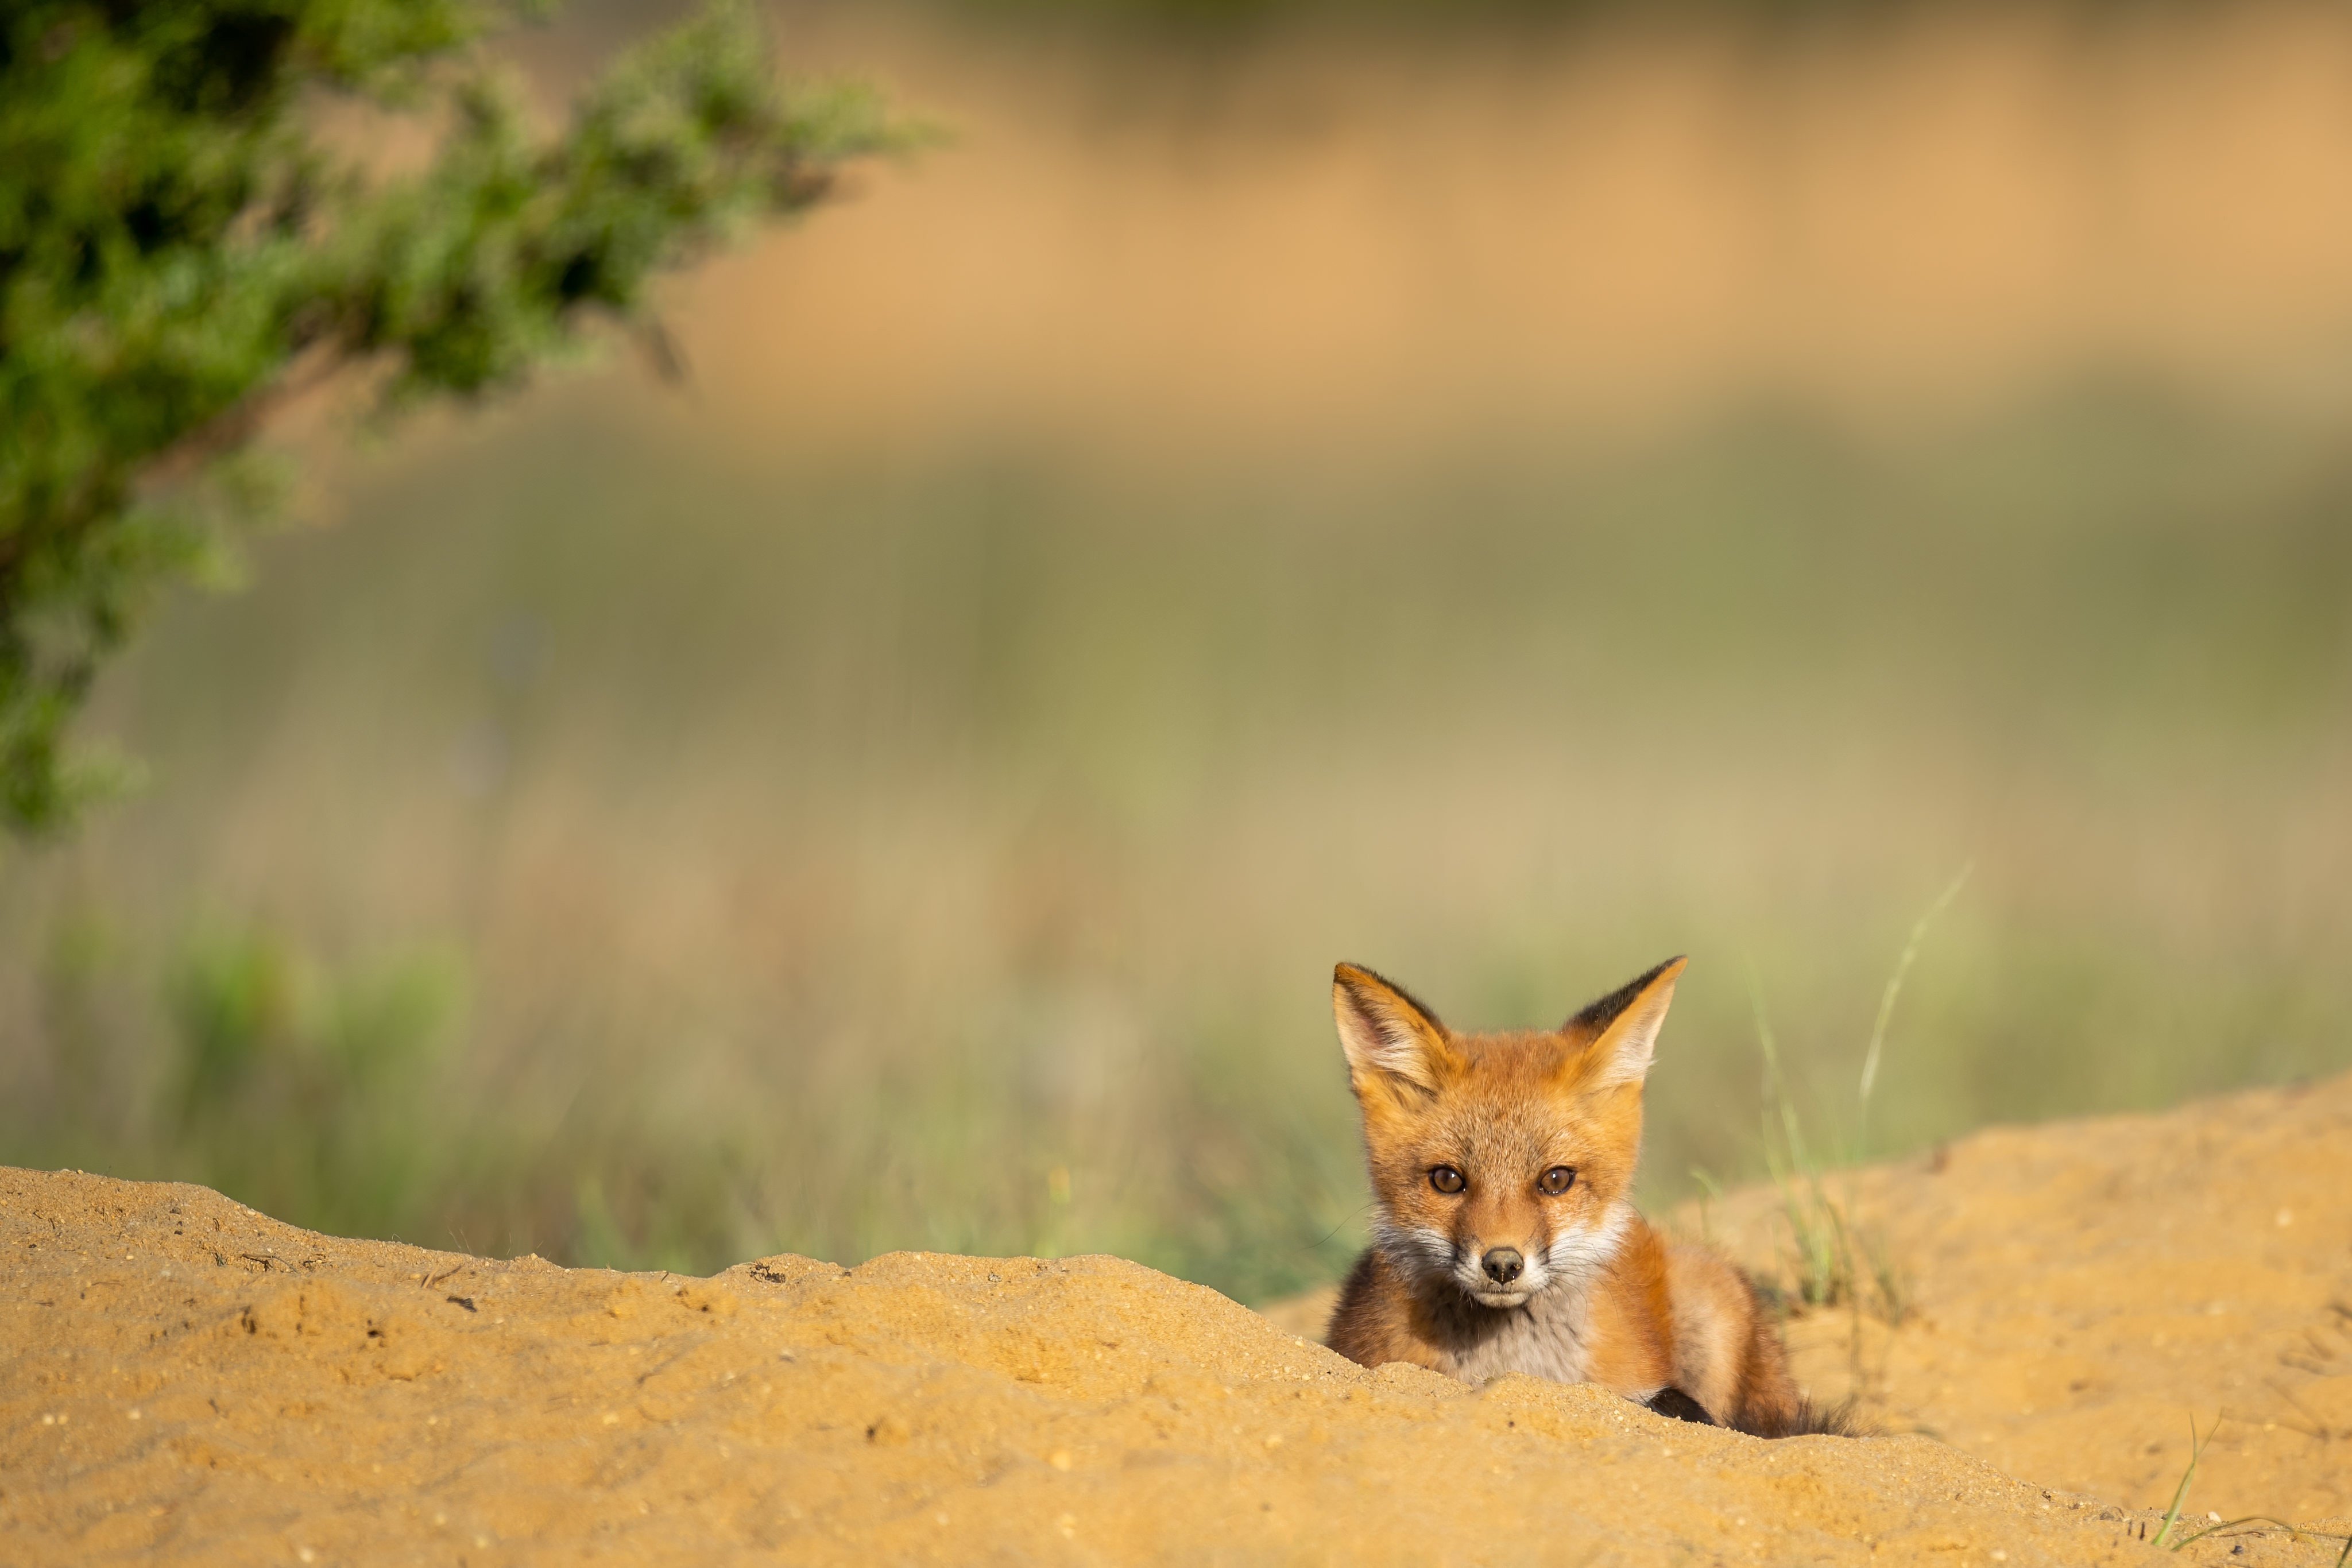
x: 1380, y: 1029
x: 1625, y: 1048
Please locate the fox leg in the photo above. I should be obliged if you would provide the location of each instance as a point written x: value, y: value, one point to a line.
x: 1727, y: 1352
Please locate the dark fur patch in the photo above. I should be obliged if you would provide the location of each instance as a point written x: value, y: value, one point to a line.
x: 1673, y: 1402
x: 1597, y: 1016
x: 1811, y: 1420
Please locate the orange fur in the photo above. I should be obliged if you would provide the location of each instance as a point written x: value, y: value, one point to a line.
x: 1482, y: 1264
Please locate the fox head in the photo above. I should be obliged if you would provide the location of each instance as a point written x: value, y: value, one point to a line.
x: 1500, y: 1163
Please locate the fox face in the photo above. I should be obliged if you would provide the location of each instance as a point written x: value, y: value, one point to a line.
x: 1500, y: 1163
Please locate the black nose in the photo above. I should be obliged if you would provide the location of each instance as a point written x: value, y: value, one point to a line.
x: 1503, y: 1264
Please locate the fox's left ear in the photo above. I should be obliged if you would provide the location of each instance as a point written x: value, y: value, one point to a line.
x: 1621, y: 1027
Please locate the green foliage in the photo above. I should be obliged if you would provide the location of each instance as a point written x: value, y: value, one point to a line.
x: 179, y: 247
x: 305, y: 1086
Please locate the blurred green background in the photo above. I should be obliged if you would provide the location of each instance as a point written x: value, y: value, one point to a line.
x: 1499, y: 512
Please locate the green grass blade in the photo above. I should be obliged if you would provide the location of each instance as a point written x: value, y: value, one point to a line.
x: 2234, y: 1524
x: 2180, y: 1492
x: 1877, y: 1050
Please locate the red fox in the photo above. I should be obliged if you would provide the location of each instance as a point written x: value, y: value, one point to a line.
x: 1503, y: 1239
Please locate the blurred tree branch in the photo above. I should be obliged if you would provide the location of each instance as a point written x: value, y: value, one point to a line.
x: 181, y: 252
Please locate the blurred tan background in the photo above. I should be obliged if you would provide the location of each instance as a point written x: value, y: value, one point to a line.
x: 1352, y: 234
x: 1501, y: 498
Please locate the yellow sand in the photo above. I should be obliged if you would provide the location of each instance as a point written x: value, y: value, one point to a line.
x: 186, y: 1380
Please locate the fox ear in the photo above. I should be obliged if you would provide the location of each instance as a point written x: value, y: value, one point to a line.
x: 1621, y: 1027
x: 1386, y: 1034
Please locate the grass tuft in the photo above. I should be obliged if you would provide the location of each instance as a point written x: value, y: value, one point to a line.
x: 1836, y: 1263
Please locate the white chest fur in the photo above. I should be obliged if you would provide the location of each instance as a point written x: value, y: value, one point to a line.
x: 1546, y: 1338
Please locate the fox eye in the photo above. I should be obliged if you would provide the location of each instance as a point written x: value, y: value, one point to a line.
x: 1557, y: 1180
x: 1446, y: 1179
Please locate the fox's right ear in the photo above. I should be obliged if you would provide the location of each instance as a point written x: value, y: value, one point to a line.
x: 1389, y: 1039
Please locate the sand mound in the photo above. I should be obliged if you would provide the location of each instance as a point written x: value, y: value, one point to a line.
x: 2075, y: 1294
x: 2084, y: 1291
x: 187, y: 1380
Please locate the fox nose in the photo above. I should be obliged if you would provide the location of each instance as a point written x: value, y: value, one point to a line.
x: 1503, y: 1264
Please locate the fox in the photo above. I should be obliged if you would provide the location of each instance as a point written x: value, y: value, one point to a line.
x: 1503, y: 1238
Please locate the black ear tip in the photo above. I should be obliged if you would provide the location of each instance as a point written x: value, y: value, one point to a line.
x: 1650, y: 976
x: 1600, y: 1012
x: 1369, y: 987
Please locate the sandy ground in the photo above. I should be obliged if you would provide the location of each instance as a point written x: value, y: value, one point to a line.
x: 186, y: 1380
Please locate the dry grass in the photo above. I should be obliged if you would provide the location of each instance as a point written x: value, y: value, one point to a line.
x: 825, y: 862
x: 833, y: 851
